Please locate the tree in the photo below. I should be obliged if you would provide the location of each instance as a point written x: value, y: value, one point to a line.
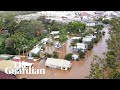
x: 114, y: 74
x: 48, y: 55
x: 32, y: 28
x: 76, y: 27
x: 9, y: 22
x: 68, y: 56
x: 106, y: 21
x: 99, y: 27
x: 55, y: 54
x: 81, y: 54
x: 9, y: 42
x: 63, y: 38
x: 97, y: 70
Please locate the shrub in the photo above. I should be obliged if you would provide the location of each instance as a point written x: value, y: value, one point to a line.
x: 68, y: 56
x: 81, y: 54
x: 48, y: 55
x: 55, y: 54
x: 90, y: 46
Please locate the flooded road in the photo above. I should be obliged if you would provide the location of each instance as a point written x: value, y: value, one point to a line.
x: 79, y: 69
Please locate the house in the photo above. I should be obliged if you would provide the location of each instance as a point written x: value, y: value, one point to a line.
x: 75, y: 57
x: 80, y: 46
x: 58, y: 63
x: 54, y: 32
x: 45, y: 40
x: 87, y: 40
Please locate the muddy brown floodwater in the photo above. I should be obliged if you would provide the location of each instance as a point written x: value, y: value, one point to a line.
x: 79, y: 69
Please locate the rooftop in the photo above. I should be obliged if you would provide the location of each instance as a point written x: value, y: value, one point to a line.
x: 58, y: 62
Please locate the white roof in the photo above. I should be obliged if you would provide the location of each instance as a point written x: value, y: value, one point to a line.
x: 90, y: 36
x: 55, y: 32
x: 57, y: 36
x: 45, y: 39
x: 80, y: 44
x: 35, y: 50
x: 86, y: 39
x: 30, y: 58
x: 80, y: 47
x: 75, y: 56
x: 75, y: 37
x: 58, y: 62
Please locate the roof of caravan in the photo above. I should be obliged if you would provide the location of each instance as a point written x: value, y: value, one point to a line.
x: 86, y: 39
x: 80, y: 44
x: 5, y: 56
x: 55, y: 32
x: 35, y: 50
x: 45, y: 39
x: 91, y: 36
x: 58, y: 62
x: 75, y: 37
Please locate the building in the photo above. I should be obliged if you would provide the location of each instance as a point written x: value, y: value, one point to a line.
x: 87, y: 40
x: 75, y: 57
x: 6, y: 57
x: 80, y: 46
x: 73, y: 38
x: 45, y: 40
x: 93, y: 37
x: 58, y: 63
x: 54, y: 32
x: 7, y: 63
x: 56, y: 37
x: 35, y: 50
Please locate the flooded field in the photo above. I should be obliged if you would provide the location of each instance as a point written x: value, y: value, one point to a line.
x: 79, y: 69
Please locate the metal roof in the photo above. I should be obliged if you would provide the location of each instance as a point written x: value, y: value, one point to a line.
x: 58, y: 62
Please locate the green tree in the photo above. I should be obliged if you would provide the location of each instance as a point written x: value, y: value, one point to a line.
x: 55, y: 54
x: 97, y: 70
x: 76, y: 27
x: 68, y: 56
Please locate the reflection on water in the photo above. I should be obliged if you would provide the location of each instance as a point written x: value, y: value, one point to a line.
x: 79, y: 69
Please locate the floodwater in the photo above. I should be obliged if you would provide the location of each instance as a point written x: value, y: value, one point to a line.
x: 79, y: 70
